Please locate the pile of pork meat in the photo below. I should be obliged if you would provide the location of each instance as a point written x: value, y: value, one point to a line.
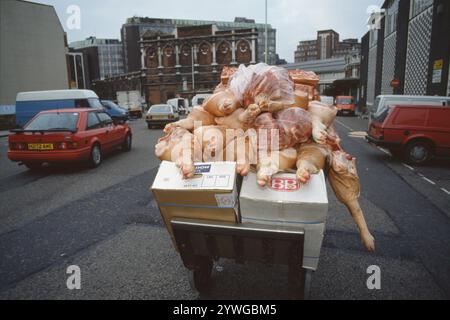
x: 269, y: 120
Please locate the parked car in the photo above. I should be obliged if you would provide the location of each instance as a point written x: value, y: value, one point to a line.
x: 181, y: 105
x: 161, y: 114
x: 345, y: 105
x: 198, y: 99
x: 415, y: 132
x: 328, y: 100
x: 29, y: 104
x: 114, y: 111
x: 384, y: 101
x: 68, y: 135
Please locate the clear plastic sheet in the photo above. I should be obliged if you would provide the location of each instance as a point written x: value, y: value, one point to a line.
x: 264, y: 85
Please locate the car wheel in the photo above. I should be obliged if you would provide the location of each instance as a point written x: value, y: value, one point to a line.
x: 126, y: 146
x: 33, y: 166
x: 418, y: 152
x: 96, y: 156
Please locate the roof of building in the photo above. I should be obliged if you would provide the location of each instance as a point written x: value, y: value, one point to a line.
x: 93, y: 42
x: 319, y: 66
x: 190, y: 22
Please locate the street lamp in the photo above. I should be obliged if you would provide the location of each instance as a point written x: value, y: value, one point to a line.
x: 266, y: 35
x: 193, y: 71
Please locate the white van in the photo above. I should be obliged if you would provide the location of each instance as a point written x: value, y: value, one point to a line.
x: 198, y: 99
x: 29, y: 104
x: 327, y: 100
x: 384, y: 101
x: 181, y: 105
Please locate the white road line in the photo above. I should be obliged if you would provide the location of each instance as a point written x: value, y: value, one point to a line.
x: 446, y: 191
x: 409, y: 167
x: 429, y: 181
x: 345, y: 126
x: 384, y: 150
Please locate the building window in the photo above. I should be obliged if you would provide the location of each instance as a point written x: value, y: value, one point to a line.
x: 418, y: 6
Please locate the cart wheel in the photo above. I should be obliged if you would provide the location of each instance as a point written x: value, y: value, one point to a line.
x: 297, y: 279
x: 201, y: 276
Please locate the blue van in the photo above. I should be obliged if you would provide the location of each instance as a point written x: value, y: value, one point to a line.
x: 29, y: 104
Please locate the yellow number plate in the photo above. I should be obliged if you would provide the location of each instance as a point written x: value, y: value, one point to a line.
x: 160, y: 117
x: 40, y: 146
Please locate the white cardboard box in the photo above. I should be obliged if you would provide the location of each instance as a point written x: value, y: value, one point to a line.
x: 287, y: 203
x: 210, y: 195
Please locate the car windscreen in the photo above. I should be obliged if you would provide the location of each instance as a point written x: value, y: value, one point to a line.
x: 161, y: 109
x: 54, y: 121
x: 344, y: 101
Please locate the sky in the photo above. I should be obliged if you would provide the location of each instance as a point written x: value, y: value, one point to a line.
x: 295, y: 20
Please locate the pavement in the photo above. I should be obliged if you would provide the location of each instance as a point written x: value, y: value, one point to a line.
x: 106, y: 222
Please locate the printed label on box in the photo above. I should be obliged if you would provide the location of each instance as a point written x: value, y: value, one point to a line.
x: 284, y: 184
x: 209, y: 181
x: 222, y: 181
x: 202, y: 168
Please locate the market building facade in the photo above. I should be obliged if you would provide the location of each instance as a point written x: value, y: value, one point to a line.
x: 408, y: 52
x: 184, y: 63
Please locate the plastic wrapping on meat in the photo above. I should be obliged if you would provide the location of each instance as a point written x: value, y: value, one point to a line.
x: 311, y: 158
x: 295, y: 127
x: 227, y: 72
x: 269, y: 133
x: 269, y: 87
x: 345, y: 183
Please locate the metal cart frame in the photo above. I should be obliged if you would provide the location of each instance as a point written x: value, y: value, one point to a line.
x: 202, y: 242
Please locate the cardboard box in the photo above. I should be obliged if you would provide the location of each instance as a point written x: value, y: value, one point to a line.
x: 287, y: 203
x: 210, y: 195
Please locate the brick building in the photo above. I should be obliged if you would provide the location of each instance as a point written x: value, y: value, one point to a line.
x: 135, y: 27
x: 326, y: 46
x: 183, y: 63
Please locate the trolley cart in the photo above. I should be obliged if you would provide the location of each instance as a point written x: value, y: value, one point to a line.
x: 202, y: 242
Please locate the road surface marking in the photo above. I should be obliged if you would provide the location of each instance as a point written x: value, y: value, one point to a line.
x: 384, y: 150
x: 345, y: 126
x: 429, y: 181
x: 358, y: 134
x: 409, y: 167
x: 446, y: 191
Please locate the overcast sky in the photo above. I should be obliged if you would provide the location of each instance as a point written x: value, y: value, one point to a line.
x: 295, y: 20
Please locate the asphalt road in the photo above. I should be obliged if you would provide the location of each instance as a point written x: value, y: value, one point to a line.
x: 106, y: 222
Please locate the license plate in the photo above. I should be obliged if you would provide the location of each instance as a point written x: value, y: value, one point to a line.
x: 40, y: 146
x: 160, y: 117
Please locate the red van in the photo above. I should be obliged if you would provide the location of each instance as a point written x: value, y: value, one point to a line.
x: 415, y: 132
x: 345, y: 105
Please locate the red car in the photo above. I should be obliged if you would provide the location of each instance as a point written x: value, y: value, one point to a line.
x: 415, y: 132
x: 68, y: 135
